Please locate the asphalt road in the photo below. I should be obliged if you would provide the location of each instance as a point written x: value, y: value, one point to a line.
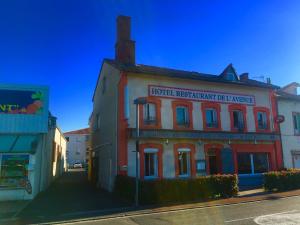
x: 271, y: 212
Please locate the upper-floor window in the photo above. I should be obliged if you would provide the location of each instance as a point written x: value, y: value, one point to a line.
x: 238, y: 119
x: 262, y: 120
x: 149, y: 111
x: 182, y: 116
x: 211, y: 118
x: 103, y: 85
x: 150, y: 114
x: 296, y: 121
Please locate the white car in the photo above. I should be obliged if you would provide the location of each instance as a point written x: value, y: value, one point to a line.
x: 77, y: 165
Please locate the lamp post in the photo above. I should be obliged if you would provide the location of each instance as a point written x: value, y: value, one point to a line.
x: 137, y: 102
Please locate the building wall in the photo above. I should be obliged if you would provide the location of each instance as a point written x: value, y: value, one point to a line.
x: 290, y: 141
x: 104, y: 131
x: 138, y: 87
x: 76, y: 150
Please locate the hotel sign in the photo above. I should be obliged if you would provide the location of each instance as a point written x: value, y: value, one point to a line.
x: 200, y: 95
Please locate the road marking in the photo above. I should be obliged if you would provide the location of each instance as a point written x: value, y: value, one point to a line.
x: 285, y: 218
x: 143, y: 213
x: 252, y: 217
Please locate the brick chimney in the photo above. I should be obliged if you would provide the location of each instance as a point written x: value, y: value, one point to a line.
x: 125, y: 47
x: 244, y: 76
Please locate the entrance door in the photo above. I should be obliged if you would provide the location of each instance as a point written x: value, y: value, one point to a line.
x: 213, y: 161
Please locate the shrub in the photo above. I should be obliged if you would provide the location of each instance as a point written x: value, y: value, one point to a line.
x: 282, y: 180
x: 178, y: 190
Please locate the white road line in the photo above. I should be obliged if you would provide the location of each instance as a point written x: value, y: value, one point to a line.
x: 252, y: 217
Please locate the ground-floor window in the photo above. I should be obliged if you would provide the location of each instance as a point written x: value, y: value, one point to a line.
x: 251, y: 163
x: 184, y: 159
x: 151, y: 163
x: 13, y: 169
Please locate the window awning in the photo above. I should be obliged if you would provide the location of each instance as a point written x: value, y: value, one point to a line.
x: 18, y: 143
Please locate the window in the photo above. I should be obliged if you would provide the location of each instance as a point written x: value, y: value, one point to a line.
x: 184, y: 162
x: 251, y: 163
x: 182, y: 116
x: 97, y: 122
x: 150, y: 163
x: 14, y: 169
x: 211, y: 118
x: 149, y: 114
x: 103, y: 85
x: 296, y: 121
x: 262, y: 120
x: 230, y: 76
x: 238, y: 120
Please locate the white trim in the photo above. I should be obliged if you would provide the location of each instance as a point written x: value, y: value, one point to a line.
x: 183, y: 150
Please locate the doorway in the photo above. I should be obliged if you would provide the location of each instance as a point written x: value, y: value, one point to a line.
x: 213, y: 160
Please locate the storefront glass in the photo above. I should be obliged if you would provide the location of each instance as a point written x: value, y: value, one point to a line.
x: 13, y: 169
x: 251, y: 163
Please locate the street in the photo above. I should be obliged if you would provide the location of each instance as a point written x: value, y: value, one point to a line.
x: 276, y: 211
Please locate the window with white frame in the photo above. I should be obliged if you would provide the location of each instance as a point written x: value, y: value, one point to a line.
x: 252, y: 163
x: 238, y: 119
x: 182, y: 116
x: 149, y: 111
x: 151, y: 163
x: 184, y: 159
x: 211, y: 118
x: 296, y: 121
x: 262, y: 120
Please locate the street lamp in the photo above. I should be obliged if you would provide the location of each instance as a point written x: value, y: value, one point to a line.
x: 137, y: 102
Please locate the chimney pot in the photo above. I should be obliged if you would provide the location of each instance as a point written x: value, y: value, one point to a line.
x: 244, y: 76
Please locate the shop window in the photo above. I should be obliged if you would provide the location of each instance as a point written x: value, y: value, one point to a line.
x: 238, y: 120
x: 184, y: 159
x: 252, y: 163
x: 296, y: 121
x: 151, y: 163
x: 149, y: 114
x: 13, y: 170
x: 262, y: 120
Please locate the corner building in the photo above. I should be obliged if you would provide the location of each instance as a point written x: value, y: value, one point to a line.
x: 193, y: 124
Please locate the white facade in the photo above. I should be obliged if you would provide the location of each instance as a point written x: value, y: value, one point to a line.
x: 76, y: 150
x: 290, y: 139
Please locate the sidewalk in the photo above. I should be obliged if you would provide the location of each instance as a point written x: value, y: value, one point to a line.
x: 9, y: 209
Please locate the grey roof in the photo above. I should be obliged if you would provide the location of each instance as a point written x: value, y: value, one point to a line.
x: 154, y: 70
x: 287, y: 96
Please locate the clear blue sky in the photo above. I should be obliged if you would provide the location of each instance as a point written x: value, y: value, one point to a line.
x: 62, y: 43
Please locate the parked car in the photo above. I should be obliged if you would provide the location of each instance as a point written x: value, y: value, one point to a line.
x: 77, y: 165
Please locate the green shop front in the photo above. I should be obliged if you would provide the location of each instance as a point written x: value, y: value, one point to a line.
x: 24, y: 141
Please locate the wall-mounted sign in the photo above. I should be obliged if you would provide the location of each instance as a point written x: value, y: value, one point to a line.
x: 21, y: 102
x: 200, y: 95
x: 279, y: 119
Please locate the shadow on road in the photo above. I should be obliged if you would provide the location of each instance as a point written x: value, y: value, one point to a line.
x: 70, y: 196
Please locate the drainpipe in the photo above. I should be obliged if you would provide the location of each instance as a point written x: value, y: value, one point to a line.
x: 280, y: 137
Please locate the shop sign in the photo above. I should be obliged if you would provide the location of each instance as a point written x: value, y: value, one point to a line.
x: 21, y: 102
x: 201, y: 95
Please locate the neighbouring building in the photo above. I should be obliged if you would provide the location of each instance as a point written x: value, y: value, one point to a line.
x: 32, y: 148
x: 192, y: 124
x: 289, y: 111
x: 77, y: 146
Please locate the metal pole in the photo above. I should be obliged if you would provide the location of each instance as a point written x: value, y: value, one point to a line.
x: 137, y: 158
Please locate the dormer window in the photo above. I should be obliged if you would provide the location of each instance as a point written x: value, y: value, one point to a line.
x: 230, y: 76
